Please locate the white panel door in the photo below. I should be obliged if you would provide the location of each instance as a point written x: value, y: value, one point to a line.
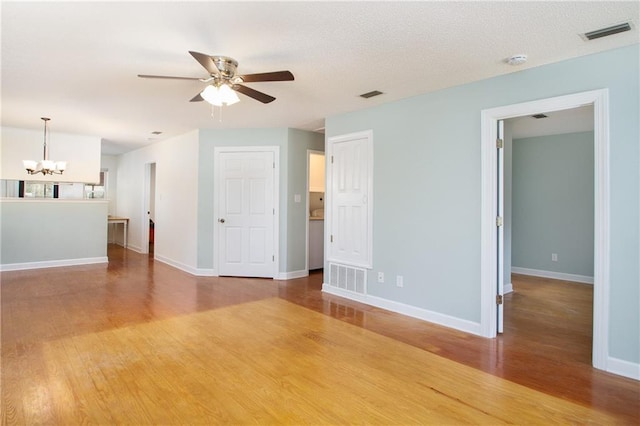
x: 246, y: 214
x: 349, y: 199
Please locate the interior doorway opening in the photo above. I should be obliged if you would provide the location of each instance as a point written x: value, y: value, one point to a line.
x: 149, y: 228
x: 490, y: 280
x: 548, y: 226
x: 315, y: 210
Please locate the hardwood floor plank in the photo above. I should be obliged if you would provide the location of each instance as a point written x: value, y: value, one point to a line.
x: 297, y: 367
x: 139, y: 342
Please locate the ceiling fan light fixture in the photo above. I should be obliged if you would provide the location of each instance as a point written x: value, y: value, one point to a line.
x: 228, y: 95
x: 219, y: 96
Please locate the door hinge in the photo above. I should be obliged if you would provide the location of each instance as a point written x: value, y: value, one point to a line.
x: 273, y: 258
x: 499, y: 221
x: 274, y: 211
x: 332, y: 159
x: 498, y: 299
x: 331, y: 238
x: 499, y: 143
x: 274, y: 164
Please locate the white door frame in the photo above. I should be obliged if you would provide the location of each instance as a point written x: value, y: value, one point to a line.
x: 307, y: 211
x: 276, y: 200
x: 488, y: 254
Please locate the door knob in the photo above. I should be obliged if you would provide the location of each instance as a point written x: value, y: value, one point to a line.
x: 221, y: 220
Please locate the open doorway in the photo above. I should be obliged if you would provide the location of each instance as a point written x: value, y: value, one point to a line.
x: 549, y: 232
x: 149, y: 234
x: 315, y: 210
x: 491, y: 255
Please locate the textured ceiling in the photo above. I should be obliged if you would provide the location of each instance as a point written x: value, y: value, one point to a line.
x: 77, y: 62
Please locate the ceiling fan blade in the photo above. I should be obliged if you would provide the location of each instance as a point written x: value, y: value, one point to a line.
x: 206, y: 62
x: 268, y: 76
x: 259, y: 96
x: 197, y: 98
x: 168, y: 77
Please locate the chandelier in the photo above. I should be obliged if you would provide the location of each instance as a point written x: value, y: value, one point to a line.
x: 46, y: 166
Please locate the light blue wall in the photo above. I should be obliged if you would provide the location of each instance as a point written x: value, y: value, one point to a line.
x: 70, y: 229
x: 553, y: 203
x: 427, y: 186
x: 293, y: 159
x: 210, y: 139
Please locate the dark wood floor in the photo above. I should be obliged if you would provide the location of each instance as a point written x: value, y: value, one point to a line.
x: 546, y: 345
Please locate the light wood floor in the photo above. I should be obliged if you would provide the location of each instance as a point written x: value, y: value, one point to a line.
x: 139, y: 342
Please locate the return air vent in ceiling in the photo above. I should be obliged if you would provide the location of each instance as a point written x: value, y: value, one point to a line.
x: 371, y: 94
x: 604, y: 32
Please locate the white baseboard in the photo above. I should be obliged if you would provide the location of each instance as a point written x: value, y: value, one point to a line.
x: 508, y: 288
x: 133, y: 248
x: 186, y: 268
x: 53, y: 263
x: 554, y: 275
x: 205, y: 272
x: 623, y: 368
x: 291, y: 275
x: 408, y: 310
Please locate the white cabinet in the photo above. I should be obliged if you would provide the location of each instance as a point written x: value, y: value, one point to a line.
x: 316, y: 244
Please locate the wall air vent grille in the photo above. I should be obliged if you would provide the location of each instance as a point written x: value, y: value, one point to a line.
x: 348, y: 278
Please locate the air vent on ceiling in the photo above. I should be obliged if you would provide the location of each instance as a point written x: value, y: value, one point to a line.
x: 371, y: 94
x: 539, y: 116
x: 604, y: 32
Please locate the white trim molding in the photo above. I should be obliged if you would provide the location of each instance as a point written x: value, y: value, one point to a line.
x: 554, y: 275
x: 178, y: 265
x: 408, y: 310
x: 488, y: 250
x: 205, y: 272
x: 623, y: 368
x: 53, y: 263
x: 291, y: 275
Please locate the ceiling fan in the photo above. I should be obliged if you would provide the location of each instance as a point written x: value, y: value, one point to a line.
x: 223, y: 80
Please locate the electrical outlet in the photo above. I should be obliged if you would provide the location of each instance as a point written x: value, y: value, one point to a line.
x: 380, y: 277
x: 399, y: 281
x: 554, y: 257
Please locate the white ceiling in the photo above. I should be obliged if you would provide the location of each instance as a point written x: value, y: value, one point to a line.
x: 77, y: 62
x: 556, y: 123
